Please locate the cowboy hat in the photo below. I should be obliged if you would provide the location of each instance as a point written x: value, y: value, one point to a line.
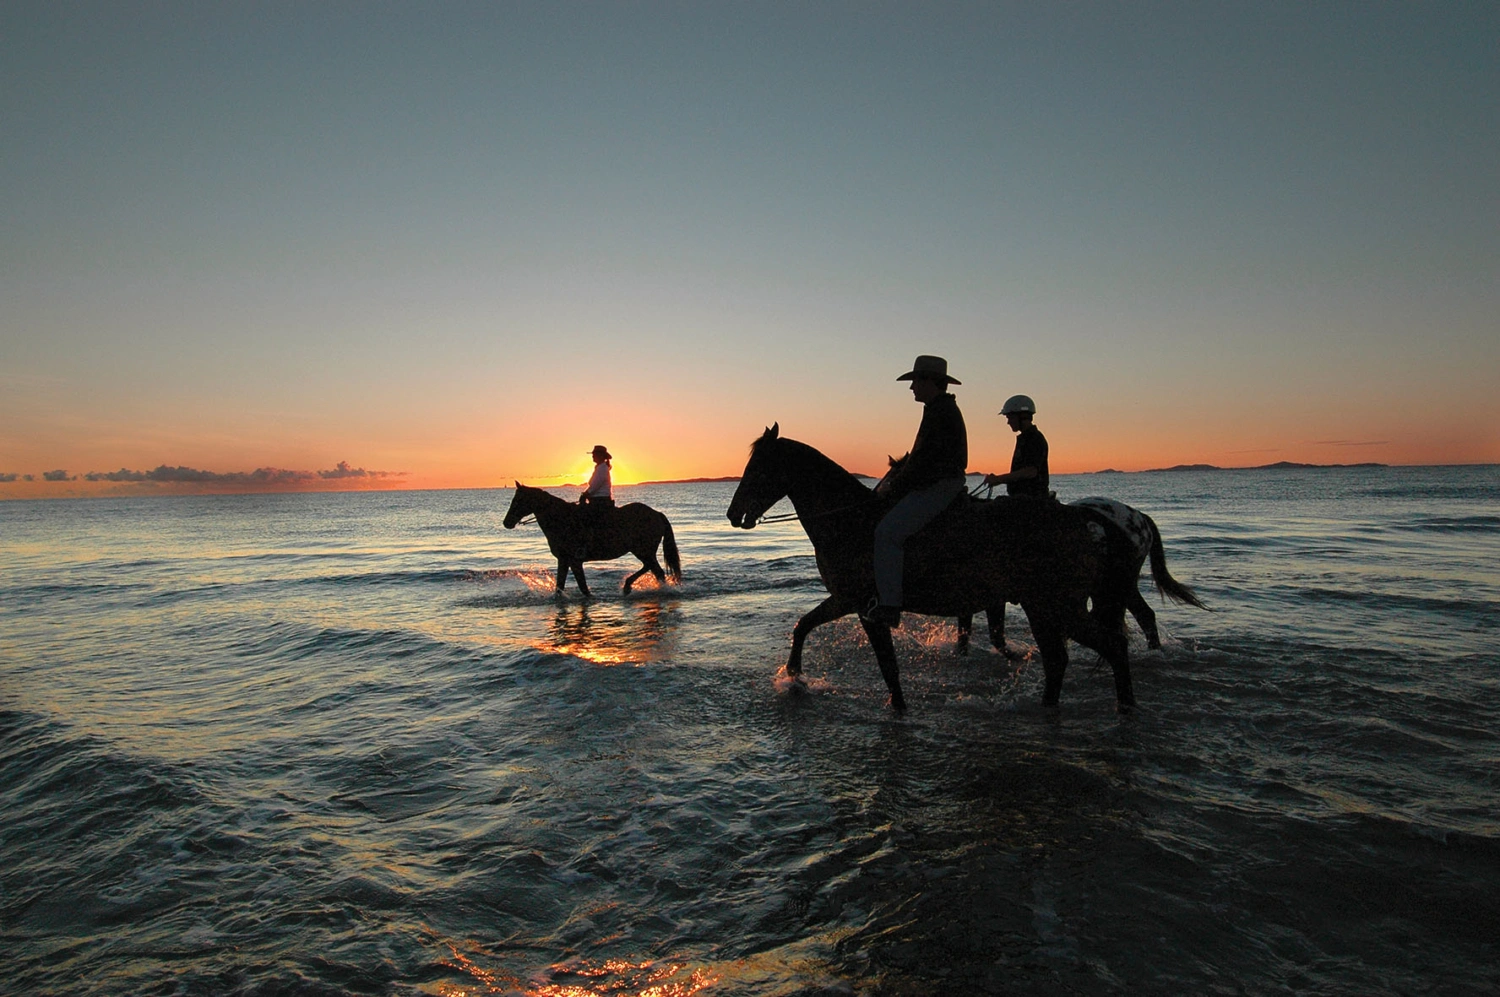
x: 932, y: 368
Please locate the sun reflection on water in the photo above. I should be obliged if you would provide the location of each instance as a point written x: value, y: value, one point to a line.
x: 617, y: 635
x: 578, y: 978
x: 620, y: 978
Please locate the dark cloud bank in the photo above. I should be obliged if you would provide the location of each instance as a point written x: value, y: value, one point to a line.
x: 262, y: 476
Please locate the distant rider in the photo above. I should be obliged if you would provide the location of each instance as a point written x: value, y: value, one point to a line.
x: 597, y: 499
x: 1028, y: 465
x: 925, y: 484
x: 599, y: 491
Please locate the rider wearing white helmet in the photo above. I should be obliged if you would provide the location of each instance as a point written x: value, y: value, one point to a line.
x: 1028, y: 465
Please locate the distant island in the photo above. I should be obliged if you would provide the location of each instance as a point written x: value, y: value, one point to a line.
x: 690, y: 481
x: 1280, y: 465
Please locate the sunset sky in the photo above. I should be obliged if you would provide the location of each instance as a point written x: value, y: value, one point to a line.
x: 467, y: 242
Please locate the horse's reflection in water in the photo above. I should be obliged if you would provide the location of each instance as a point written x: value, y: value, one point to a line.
x: 625, y: 634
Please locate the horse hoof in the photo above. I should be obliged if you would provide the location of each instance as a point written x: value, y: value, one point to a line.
x: 897, y: 702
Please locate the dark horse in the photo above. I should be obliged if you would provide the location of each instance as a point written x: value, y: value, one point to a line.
x: 1042, y: 555
x: 1145, y: 541
x: 574, y: 538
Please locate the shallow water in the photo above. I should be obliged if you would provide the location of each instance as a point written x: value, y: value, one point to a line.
x: 352, y: 743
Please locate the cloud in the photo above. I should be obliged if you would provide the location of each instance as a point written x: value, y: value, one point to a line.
x: 1350, y: 443
x: 345, y: 471
x: 56, y: 476
x: 260, y: 477
x: 9, y: 477
x: 120, y: 475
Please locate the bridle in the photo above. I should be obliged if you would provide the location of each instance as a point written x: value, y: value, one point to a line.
x: 787, y: 517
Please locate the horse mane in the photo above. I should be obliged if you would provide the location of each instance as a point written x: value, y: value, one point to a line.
x: 814, y: 460
x: 542, y: 492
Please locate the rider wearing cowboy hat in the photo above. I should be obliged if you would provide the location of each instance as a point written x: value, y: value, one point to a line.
x: 596, y: 501
x: 926, y: 483
x: 599, y: 490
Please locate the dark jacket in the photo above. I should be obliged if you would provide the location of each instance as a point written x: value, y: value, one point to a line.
x: 941, y: 449
x: 1031, y: 451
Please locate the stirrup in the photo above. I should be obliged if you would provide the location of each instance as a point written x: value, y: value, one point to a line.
x: 874, y: 612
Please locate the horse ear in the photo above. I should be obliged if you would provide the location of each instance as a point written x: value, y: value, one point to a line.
x: 775, y: 430
x: 518, y: 484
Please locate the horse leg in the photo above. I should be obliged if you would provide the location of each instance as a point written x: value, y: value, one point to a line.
x: 1108, y: 610
x: 1113, y: 645
x: 583, y: 585
x: 1145, y: 616
x: 634, y: 578
x: 654, y: 566
x: 965, y: 630
x: 1052, y: 643
x: 885, y: 654
x: 562, y: 575
x: 826, y: 611
x: 996, y: 617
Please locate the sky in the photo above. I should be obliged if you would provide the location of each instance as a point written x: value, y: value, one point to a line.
x: 458, y: 244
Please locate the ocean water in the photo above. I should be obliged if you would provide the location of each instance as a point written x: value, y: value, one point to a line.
x: 353, y: 744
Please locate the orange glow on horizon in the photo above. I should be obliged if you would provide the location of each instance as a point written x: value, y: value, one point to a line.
x: 1080, y: 442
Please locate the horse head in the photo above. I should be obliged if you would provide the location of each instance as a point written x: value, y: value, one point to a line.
x: 763, y: 483
x: 521, y: 506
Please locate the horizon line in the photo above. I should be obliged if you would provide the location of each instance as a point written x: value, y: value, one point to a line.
x: 152, y: 489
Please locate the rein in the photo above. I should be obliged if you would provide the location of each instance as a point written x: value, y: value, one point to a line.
x: 787, y: 517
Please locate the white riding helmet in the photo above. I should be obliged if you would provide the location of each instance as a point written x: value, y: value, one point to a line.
x: 1018, y: 405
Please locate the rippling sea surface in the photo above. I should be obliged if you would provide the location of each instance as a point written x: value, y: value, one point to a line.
x: 353, y: 744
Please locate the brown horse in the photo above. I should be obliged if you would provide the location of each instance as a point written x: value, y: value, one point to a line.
x: 1042, y: 555
x: 575, y: 534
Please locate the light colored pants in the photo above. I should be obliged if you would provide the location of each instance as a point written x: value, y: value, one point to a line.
x: 906, y: 517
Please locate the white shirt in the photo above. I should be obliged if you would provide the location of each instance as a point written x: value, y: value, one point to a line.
x: 599, y: 486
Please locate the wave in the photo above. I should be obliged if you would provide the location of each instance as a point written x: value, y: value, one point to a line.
x: 295, y: 641
x: 1451, y: 524
x: 1402, y: 603
x: 1428, y: 491
x: 75, y: 789
x: 69, y: 589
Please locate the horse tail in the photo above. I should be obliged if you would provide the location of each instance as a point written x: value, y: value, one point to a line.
x: 669, y: 550
x: 1168, y: 586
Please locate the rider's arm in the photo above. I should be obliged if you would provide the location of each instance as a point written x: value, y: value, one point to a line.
x: 1019, y: 474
